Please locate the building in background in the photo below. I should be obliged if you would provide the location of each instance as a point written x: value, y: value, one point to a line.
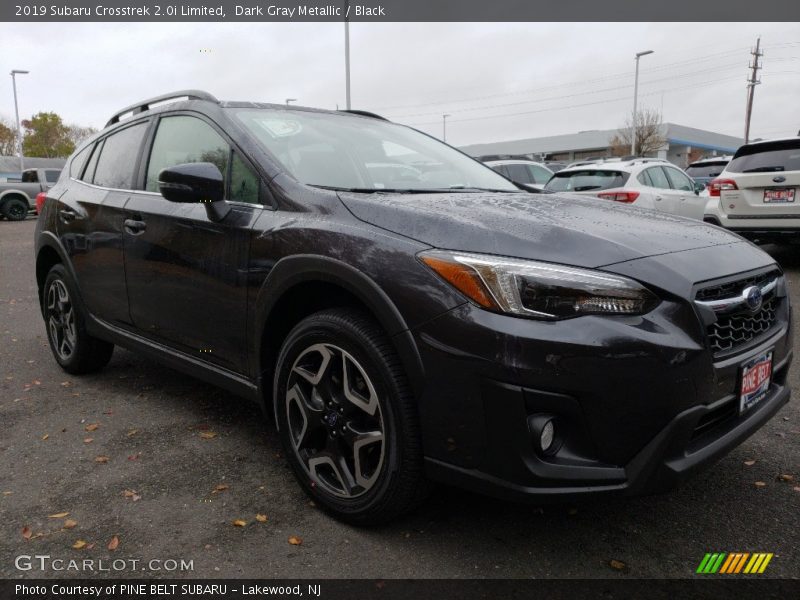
x: 684, y: 145
x: 9, y: 165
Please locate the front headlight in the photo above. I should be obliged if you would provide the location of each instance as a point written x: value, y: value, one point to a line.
x: 538, y: 290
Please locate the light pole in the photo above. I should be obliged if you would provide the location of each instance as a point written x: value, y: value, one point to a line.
x: 444, y: 127
x: 288, y: 100
x: 347, y: 52
x: 14, y: 74
x: 635, y: 98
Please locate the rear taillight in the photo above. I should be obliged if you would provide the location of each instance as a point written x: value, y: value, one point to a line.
x: 40, y: 198
x: 717, y: 185
x: 625, y: 197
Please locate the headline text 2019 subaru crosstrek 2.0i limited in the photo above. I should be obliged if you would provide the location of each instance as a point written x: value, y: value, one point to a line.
x: 403, y: 312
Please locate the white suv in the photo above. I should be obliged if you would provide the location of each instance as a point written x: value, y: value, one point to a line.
x: 756, y: 195
x: 646, y: 182
x: 530, y: 174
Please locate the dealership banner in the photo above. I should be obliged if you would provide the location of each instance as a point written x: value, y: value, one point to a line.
x: 401, y: 10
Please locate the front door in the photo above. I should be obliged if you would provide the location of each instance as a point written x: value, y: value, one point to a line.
x: 186, y: 274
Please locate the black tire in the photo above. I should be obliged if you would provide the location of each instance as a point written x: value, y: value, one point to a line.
x: 387, y: 481
x: 73, y: 348
x: 15, y: 209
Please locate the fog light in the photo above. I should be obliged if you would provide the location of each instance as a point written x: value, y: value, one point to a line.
x: 547, y: 436
x: 546, y: 439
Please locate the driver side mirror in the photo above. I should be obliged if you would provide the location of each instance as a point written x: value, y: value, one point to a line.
x: 699, y: 187
x: 195, y: 182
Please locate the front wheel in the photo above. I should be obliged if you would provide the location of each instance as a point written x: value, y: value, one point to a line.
x: 347, y: 418
x: 73, y: 348
x: 15, y: 209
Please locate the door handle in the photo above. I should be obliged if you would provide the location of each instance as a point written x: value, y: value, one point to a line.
x: 67, y: 215
x: 658, y: 198
x: 134, y: 227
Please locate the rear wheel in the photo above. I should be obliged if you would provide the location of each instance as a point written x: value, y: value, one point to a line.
x: 15, y: 209
x: 347, y: 418
x: 73, y: 348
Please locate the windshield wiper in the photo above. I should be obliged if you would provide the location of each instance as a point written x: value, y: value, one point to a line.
x: 464, y: 188
x: 451, y: 190
x: 763, y: 169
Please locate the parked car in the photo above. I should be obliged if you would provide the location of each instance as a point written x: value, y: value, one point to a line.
x: 447, y: 329
x: 645, y: 182
x: 758, y: 192
x: 555, y: 166
x: 17, y: 199
x: 527, y: 173
x: 703, y: 171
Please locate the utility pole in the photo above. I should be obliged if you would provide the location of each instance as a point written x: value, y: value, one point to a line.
x: 347, y: 52
x: 635, y: 98
x: 751, y: 88
x: 14, y: 74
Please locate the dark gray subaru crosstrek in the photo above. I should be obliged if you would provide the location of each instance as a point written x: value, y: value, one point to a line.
x: 404, y: 312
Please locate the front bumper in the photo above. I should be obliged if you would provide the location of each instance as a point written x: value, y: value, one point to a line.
x: 642, y: 401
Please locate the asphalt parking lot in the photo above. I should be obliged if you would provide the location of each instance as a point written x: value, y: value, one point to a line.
x: 164, y: 465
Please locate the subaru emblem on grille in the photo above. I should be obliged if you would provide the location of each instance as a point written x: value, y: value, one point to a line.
x: 752, y: 297
x: 779, y: 179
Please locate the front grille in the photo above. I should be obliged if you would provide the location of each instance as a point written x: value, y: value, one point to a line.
x: 731, y: 331
x: 737, y: 329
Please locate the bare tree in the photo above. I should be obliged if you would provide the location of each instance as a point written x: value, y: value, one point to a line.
x: 78, y: 133
x: 649, y: 138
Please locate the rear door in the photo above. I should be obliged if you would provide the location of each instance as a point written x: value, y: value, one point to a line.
x: 688, y: 203
x: 664, y: 198
x: 186, y: 274
x: 767, y: 176
x: 90, y: 218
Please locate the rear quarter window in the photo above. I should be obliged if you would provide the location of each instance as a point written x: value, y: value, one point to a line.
x: 772, y: 156
x: 586, y: 180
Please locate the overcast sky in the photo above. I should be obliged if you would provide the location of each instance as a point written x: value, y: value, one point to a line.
x: 497, y: 81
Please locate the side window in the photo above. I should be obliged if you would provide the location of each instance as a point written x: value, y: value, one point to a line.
x: 519, y: 173
x: 501, y: 169
x: 658, y: 178
x: 31, y: 176
x: 117, y: 162
x: 182, y: 139
x: 51, y: 175
x: 644, y: 178
x: 679, y: 181
x: 539, y: 174
x: 76, y: 166
x: 244, y: 183
x: 88, y: 174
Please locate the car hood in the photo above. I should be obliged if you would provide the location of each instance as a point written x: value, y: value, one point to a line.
x: 566, y: 229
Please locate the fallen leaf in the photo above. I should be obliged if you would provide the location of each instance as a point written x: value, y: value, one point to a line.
x: 208, y: 435
x: 66, y: 383
x: 295, y: 541
x: 88, y: 440
x: 101, y: 459
x: 7, y: 493
x: 112, y: 545
x: 135, y: 456
x: 45, y: 436
x: 220, y: 488
x: 133, y: 432
x: 240, y: 522
x: 60, y: 515
x: 760, y: 484
x: 37, y: 382
x: 796, y: 488
x: 129, y: 493
x: 26, y: 533
x: 261, y: 518
x: 79, y: 544
x: 749, y: 463
x: 70, y: 523
x: 785, y: 478
x: 90, y: 546
x: 92, y: 426
x: 617, y: 565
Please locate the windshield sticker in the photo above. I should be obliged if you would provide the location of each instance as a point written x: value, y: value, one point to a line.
x: 281, y: 127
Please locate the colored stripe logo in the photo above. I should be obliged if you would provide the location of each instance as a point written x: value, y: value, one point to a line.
x: 734, y: 563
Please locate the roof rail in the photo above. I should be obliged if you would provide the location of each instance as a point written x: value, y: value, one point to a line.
x: 144, y: 105
x: 364, y: 113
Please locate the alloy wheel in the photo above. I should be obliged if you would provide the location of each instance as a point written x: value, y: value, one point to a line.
x: 61, y: 319
x: 334, y: 420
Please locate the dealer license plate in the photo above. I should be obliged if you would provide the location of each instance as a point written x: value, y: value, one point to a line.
x: 779, y: 196
x: 756, y: 376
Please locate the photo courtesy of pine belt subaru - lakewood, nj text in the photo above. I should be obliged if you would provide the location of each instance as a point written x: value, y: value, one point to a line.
x: 404, y: 313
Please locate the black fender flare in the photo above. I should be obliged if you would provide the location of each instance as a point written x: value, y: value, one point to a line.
x: 49, y: 240
x: 301, y: 268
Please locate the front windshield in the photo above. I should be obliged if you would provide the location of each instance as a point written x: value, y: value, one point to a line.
x: 364, y: 154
